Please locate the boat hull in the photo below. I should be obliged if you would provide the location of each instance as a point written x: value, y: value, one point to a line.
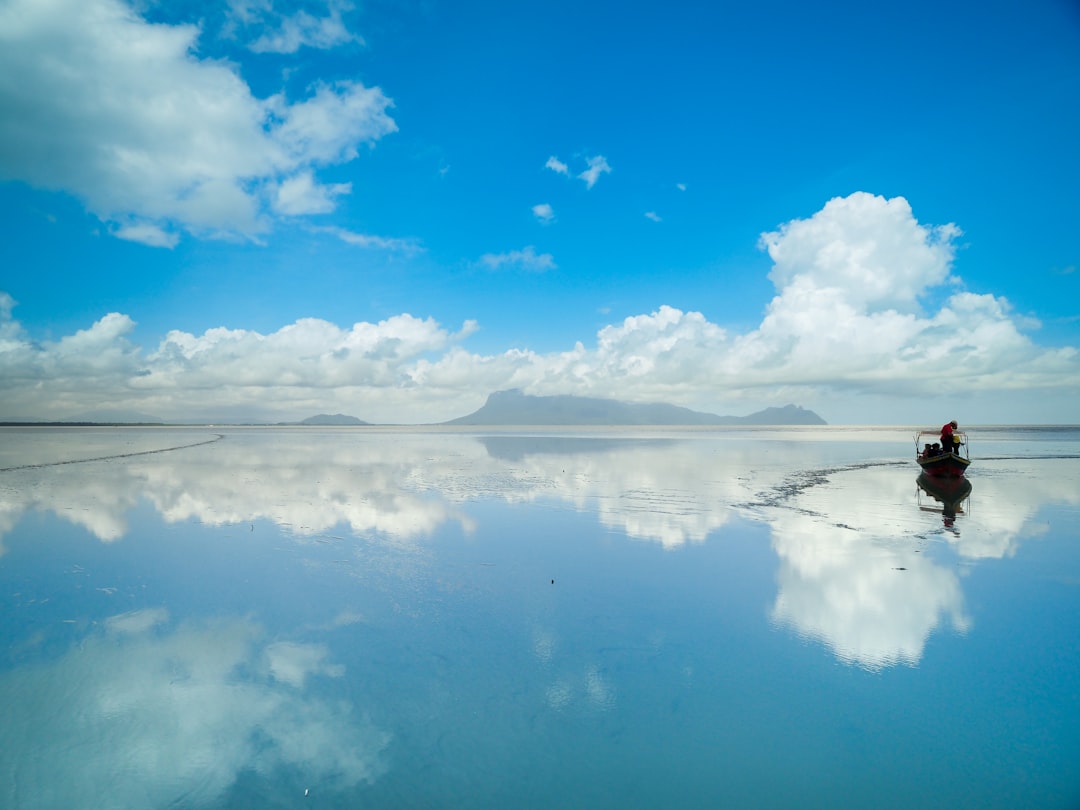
x: 945, y: 465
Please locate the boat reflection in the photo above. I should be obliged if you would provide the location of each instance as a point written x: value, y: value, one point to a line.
x: 950, y: 495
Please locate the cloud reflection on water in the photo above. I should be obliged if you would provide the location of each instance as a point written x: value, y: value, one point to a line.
x: 854, y: 572
x: 148, y: 714
x: 406, y: 486
x: 851, y: 542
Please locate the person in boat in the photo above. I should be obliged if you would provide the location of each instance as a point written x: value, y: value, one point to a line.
x: 950, y: 442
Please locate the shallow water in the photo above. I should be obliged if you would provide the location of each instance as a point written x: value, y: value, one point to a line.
x: 212, y: 618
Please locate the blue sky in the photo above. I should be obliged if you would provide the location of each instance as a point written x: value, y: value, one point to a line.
x: 265, y: 209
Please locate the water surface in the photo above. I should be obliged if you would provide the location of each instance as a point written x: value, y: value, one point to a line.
x: 212, y: 618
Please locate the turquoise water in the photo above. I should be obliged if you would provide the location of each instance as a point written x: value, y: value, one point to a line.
x: 220, y: 618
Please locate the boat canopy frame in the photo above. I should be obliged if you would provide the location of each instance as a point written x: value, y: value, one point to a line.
x: 921, y: 440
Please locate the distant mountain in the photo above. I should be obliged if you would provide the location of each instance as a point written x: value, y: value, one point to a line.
x: 333, y: 419
x: 514, y: 407
x: 787, y: 415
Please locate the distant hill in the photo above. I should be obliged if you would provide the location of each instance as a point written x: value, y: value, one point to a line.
x: 787, y: 415
x: 514, y: 407
x: 333, y: 419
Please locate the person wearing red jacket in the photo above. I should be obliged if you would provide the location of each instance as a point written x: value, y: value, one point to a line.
x: 948, y: 437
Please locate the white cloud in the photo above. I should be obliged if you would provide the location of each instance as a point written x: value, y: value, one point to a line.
x: 125, y: 116
x: 527, y: 258
x: 844, y: 328
x: 148, y: 234
x: 309, y: 352
x: 597, y: 165
x: 364, y: 240
x: 327, y: 127
x: 283, y: 33
x: 302, y: 363
x: 300, y: 195
x: 544, y: 213
x: 681, y: 186
x: 871, y: 249
x: 655, y: 217
x: 557, y: 166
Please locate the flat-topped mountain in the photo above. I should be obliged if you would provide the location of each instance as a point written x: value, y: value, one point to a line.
x: 514, y: 407
x: 786, y: 415
x: 333, y: 419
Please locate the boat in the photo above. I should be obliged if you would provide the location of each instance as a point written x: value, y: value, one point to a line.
x: 937, y: 461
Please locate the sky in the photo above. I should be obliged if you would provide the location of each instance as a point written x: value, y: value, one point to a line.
x: 262, y: 210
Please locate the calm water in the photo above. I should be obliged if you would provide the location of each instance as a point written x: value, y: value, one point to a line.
x: 253, y: 618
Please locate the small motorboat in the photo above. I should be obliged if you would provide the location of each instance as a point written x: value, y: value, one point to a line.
x: 938, y: 461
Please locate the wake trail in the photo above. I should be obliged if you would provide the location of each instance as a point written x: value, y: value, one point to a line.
x: 217, y: 437
x: 798, y: 482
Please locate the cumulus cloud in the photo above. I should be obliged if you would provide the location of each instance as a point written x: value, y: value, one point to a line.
x: 655, y: 217
x: 301, y: 363
x: 527, y: 258
x: 309, y: 352
x: 124, y: 115
x: 871, y: 250
x: 300, y: 194
x: 329, y: 126
x: 848, y: 323
x: 544, y: 213
x: 101, y: 351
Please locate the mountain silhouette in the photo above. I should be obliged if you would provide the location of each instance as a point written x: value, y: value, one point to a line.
x: 513, y: 407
